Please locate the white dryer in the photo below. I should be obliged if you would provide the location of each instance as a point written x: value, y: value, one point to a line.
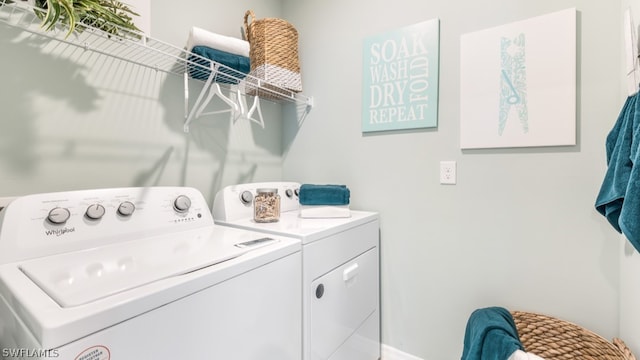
x: 340, y: 270
x: 142, y: 273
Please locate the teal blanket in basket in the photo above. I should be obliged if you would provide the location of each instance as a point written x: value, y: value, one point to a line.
x: 490, y: 334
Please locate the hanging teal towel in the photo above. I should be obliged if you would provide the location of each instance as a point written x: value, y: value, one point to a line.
x: 618, y: 147
x: 324, y: 194
x: 619, y: 196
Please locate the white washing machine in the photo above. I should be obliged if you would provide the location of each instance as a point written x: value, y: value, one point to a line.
x: 340, y: 270
x: 142, y: 273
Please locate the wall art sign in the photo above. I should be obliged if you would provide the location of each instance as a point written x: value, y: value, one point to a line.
x: 518, y: 84
x: 400, y: 78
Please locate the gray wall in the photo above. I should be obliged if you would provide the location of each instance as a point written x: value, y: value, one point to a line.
x: 630, y: 259
x: 518, y: 230
x: 73, y: 119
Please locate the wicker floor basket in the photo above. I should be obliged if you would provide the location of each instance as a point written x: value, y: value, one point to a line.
x: 555, y: 339
x: 273, y: 53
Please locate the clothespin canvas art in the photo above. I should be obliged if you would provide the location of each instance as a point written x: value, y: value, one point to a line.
x: 518, y: 84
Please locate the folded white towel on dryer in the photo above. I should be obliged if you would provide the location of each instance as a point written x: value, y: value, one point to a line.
x: 325, y: 211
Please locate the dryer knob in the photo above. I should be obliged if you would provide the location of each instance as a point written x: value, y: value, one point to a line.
x: 182, y: 204
x: 126, y: 208
x: 246, y: 197
x: 319, y: 291
x: 289, y: 193
x: 58, y: 215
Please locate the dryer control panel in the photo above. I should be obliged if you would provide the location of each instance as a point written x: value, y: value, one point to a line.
x: 236, y: 201
x: 44, y: 224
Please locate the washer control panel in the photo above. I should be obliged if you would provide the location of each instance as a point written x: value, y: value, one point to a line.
x: 41, y: 224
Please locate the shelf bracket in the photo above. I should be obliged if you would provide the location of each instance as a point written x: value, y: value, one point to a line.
x: 307, y: 108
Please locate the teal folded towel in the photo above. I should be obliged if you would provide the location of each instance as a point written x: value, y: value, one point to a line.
x: 619, y: 196
x: 490, y: 334
x: 237, y: 66
x: 310, y: 194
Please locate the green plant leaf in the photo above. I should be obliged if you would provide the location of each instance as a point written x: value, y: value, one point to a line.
x: 52, y: 15
x: 67, y: 5
x: 107, y: 15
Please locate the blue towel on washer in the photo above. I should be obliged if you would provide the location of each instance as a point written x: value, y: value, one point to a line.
x: 490, y: 334
x: 619, y: 196
x: 311, y: 194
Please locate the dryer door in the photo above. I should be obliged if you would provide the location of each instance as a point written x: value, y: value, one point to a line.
x: 343, y: 300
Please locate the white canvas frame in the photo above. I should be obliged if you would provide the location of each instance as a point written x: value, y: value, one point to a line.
x: 518, y: 84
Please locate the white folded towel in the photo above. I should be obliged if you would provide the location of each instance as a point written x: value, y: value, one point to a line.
x: 201, y: 37
x: 325, y: 211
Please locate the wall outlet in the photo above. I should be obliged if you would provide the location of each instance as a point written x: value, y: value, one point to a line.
x: 448, y: 172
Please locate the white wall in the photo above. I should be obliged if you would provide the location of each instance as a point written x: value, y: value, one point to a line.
x: 629, y: 258
x: 73, y: 119
x: 518, y: 230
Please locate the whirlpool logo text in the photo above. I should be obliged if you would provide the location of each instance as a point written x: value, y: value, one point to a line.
x: 59, y: 232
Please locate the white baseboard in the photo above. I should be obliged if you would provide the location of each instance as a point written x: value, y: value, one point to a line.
x: 390, y: 353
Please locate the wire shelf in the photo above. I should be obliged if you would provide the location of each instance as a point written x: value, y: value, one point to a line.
x: 137, y: 48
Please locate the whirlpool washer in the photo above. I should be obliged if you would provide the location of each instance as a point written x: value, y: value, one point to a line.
x: 142, y: 273
x: 340, y: 270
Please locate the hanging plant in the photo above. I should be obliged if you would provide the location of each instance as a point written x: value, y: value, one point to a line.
x: 106, y: 15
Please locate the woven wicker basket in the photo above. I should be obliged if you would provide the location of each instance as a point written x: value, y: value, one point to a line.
x: 273, y: 54
x: 555, y: 339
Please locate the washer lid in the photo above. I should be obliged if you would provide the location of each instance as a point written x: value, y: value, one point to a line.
x: 82, y: 277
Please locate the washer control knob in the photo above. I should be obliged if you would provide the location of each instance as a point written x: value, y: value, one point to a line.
x: 182, y: 204
x: 58, y: 215
x: 289, y: 193
x: 126, y: 208
x: 246, y: 197
x: 297, y: 191
x: 94, y: 212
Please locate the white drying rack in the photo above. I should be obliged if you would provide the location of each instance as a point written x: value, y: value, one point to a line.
x: 138, y: 48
